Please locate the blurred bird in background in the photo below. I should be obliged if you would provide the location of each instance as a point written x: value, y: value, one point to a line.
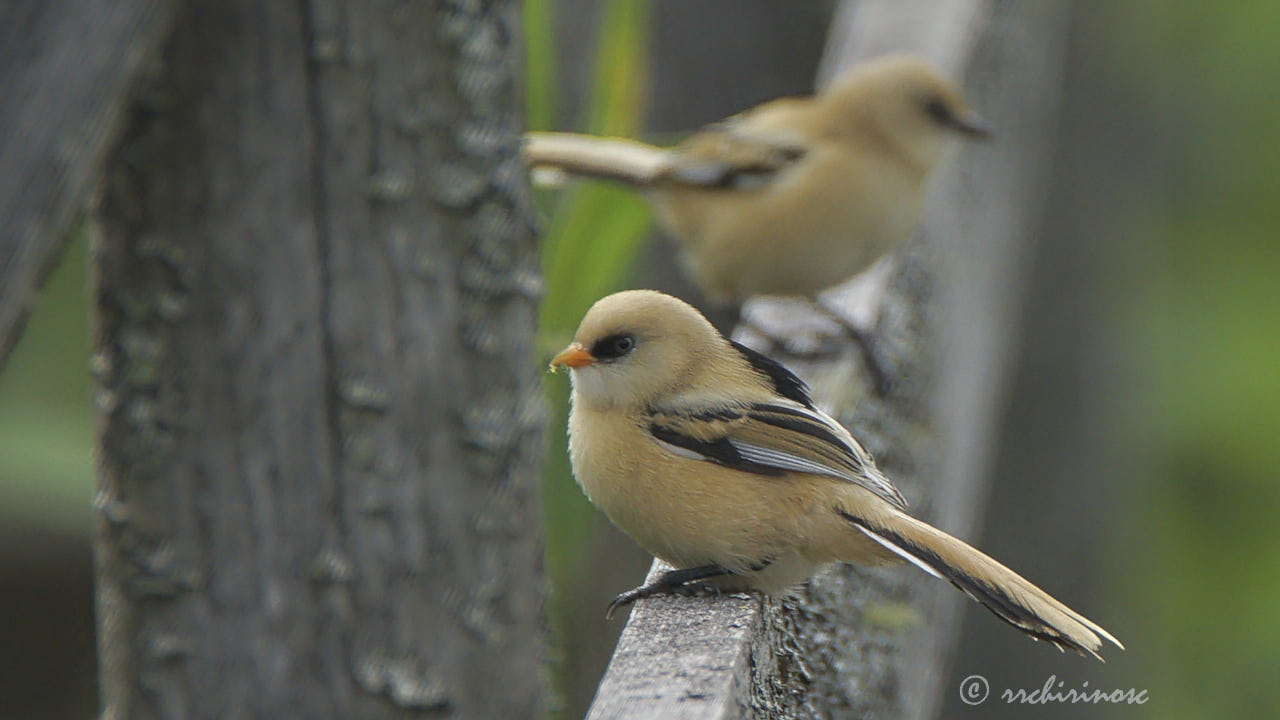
x: 794, y: 196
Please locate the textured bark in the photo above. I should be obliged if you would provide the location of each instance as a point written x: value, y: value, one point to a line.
x: 316, y: 287
x: 65, y: 68
x: 875, y: 642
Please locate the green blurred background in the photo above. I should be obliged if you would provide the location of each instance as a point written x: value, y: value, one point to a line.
x: 1151, y: 355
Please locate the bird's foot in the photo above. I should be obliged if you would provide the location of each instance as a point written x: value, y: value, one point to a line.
x: 823, y: 346
x: 680, y: 582
x: 697, y: 589
x: 873, y: 362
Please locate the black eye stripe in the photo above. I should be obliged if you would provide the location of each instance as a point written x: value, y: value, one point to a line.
x: 937, y: 109
x: 613, y: 347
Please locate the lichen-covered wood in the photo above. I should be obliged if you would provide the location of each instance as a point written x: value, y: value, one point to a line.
x: 861, y: 642
x: 316, y: 284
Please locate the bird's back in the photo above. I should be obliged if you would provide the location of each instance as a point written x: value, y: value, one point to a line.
x: 789, y: 215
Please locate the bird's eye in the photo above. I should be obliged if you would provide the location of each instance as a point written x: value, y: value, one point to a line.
x: 613, y: 347
x: 935, y: 108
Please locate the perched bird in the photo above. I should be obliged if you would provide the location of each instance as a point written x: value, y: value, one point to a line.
x: 796, y: 195
x: 714, y: 458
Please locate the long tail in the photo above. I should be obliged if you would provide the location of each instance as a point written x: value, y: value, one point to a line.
x: 618, y: 159
x: 1002, y: 591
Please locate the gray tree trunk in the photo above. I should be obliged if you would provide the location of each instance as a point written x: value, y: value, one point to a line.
x: 316, y: 289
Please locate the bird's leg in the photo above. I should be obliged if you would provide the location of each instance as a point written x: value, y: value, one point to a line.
x: 755, y: 328
x: 876, y: 367
x: 672, y: 581
x: 781, y: 344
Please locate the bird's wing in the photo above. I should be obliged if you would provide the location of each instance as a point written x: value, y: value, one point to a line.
x: 552, y: 154
x: 769, y: 439
x: 738, y: 153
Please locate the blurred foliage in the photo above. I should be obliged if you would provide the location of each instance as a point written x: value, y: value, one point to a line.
x: 46, y: 426
x: 1202, y: 318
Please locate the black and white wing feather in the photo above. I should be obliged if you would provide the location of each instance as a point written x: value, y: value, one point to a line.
x: 734, y: 153
x: 770, y: 439
x: 787, y: 434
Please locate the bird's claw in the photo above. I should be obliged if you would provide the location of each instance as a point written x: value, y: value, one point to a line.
x: 624, y: 600
x: 689, y: 589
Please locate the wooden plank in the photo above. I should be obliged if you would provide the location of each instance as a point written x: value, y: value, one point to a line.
x: 65, y: 70
x: 683, y: 658
x: 862, y: 642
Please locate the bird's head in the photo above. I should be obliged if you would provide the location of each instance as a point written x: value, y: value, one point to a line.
x: 904, y: 101
x: 636, y: 346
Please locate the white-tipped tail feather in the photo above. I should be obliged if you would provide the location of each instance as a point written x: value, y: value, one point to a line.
x: 1002, y: 591
x: 619, y: 159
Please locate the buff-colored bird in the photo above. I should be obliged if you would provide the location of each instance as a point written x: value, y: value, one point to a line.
x: 796, y: 195
x: 714, y: 458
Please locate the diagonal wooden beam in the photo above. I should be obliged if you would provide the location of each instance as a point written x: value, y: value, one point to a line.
x: 66, y: 67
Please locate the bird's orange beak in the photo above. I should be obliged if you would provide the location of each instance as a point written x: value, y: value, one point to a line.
x: 574, y: 356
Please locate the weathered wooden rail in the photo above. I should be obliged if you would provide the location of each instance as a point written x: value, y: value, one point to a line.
x: 875, y: 643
